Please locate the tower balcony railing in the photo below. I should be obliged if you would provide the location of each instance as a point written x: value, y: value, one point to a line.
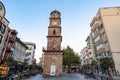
x: 46, y: 49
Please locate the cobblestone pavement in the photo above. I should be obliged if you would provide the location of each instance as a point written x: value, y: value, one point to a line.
x: 75, y: 76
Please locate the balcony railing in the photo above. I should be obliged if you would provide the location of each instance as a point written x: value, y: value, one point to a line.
x: 101, y: 50
x: 98, y: 42
x: 93, y: 21
x: 96, y: 25
x: 13, y: 31
x: 27, y: 58
x: 45, y: 49
x: 11, y: 39
x: 97, y: 33
x: 9, y: 49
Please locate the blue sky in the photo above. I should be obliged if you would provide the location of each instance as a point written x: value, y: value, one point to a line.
x: 31, y: 19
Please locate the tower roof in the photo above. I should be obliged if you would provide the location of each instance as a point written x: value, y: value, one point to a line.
x: 55, y: 11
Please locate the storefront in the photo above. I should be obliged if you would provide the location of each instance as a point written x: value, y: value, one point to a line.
x: 4, y: 70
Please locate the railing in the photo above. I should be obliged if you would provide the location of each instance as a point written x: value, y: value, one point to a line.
x: 52, y: 49
x: 13, y: 31
x: 9, y: 49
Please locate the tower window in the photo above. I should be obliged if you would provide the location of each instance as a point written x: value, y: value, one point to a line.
x: 54, y: 32
x: 54, y: 45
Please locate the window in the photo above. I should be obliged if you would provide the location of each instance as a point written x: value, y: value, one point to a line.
x: 101, y: 55
x: 29, y: 48
x: 54, y: 45
x: 53, y: 63
x: 1, y: 38
x: 28, y: 53
x: 94, y: 32
x: 94, y: 24
x: 10, y: 44
x: 108, y: 53
x: 2, y: 28
x: 99, y: 46
x: 54, y: 32
x: 97, y: 38
x: 106, y: 44
x: 104, y: 36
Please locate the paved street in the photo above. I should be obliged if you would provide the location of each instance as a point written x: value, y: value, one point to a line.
x: 64, y: 77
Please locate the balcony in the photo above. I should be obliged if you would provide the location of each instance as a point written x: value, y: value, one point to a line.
x: 104, y: 39
x: 102, y: 30
x: 97, y: 24
x: 13, y: 31
x: 107, y: 48
x: 8, y: 49
x: 101, y: 50
x: 10, y: 39
x: 97, y: 33
x: 27, y: 58
x: 99, y: 41
x: 94, y: 19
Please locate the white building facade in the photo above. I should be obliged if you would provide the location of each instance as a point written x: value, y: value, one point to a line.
x: 30, y: 52
x: 19, y: 51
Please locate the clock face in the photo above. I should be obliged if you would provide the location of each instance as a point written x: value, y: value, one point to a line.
x: 54, y: 23
x: 55, y: 14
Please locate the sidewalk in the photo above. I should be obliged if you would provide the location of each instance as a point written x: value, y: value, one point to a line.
x: 104, y: 77
x: 116, y: 78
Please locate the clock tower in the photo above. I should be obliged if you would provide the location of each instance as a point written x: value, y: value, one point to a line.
x: 52, y: 59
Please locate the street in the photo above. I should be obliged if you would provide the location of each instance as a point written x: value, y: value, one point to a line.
x: 75, y: 76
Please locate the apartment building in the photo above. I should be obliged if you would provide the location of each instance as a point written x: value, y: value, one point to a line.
x: 90, y: 47
x: 105, y: 28
x: 19, y: 51
x: 7, y: 36
x: 30, y: 52
x: 87, y: 54
x: 83, y: 56
x: 3, y: 30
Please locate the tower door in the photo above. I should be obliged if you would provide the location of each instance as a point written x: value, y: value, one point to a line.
x: 53, y: 69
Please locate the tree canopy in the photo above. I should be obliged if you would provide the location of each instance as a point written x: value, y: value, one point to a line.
x: 70, y: 57
x: 107, y: 63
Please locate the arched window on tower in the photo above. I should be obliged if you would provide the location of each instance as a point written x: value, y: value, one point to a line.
x: 54, y: 45
x: 54, y: 32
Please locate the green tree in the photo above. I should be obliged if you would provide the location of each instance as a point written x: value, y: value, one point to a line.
x: 86, y: 66
x: 10, y: 61
x: 25, y: 65
x: 70, y: 57
x: 107, y: 63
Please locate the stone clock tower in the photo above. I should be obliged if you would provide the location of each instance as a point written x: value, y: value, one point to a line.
x: 52, y: 59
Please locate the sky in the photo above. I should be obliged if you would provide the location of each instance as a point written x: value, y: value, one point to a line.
x: 31, y: 19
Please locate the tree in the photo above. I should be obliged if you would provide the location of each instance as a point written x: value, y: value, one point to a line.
x: 25, y: 64
x: 10, y: 61
x: 70, y: 57
x: 107, y: 63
